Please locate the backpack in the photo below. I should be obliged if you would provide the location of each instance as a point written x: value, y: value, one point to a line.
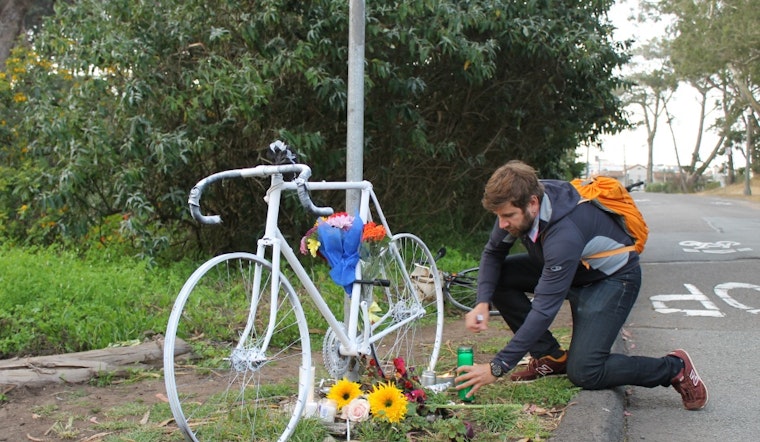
x: 609, y: 195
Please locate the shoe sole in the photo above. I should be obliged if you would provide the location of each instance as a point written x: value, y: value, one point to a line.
x: 528, y: 381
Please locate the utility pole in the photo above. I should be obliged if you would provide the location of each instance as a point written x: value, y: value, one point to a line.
x: 748, y: 169
x: 355, y: 121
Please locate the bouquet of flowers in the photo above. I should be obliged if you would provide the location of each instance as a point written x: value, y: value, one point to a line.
x: 386, y: 396
x: 338, y: 239
x: 390, y: 404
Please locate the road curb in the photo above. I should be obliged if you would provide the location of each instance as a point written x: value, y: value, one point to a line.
x: 594, y: 415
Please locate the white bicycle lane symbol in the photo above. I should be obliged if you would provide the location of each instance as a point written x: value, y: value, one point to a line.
x: 718, y: 247
x: 708, y: 308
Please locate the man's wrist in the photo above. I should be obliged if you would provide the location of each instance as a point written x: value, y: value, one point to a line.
x: 498, y: 367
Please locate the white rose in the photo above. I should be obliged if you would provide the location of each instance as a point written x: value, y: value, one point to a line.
x: 356, y: 411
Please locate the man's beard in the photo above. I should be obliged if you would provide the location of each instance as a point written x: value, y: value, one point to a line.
x: 523, y: 228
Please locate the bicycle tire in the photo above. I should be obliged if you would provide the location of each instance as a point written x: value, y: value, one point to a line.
x: 461, y: 290
x: 409, y: 294
x: 236, y: 391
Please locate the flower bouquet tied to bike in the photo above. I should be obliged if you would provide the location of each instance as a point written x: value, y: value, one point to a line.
x: 338, y: 239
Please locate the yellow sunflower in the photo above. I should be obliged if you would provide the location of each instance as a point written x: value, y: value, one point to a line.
x: 343, y: 392
x: 387, y: 402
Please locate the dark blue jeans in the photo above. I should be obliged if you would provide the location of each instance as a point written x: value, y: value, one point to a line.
x: 599, y: 311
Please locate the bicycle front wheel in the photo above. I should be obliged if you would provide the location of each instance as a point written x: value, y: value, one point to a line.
x: 251, y: 350
x: 408, y: 321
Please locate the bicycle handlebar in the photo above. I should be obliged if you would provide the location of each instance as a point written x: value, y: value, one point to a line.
x: 304, y: 172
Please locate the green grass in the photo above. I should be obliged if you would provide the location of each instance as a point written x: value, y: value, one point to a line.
x: 54, y: 301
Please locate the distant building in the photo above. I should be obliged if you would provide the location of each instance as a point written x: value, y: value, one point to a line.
x: 635, y: 174
x: 631, y: 175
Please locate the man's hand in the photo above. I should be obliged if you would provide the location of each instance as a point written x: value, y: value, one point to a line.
x: 477, y: 319
x: 474, y: 376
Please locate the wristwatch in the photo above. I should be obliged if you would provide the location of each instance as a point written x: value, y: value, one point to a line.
x: 497, y: 368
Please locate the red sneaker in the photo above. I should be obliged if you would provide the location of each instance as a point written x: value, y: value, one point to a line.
x: 538, y: 368
x: 688, y: 383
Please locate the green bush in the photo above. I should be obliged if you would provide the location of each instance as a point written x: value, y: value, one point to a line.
x: 662, y: 187
x: 710, y: 185
x: 161, y: 94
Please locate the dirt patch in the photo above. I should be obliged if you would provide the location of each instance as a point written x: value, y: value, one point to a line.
x: 86, y: 412
x: 737, y: 191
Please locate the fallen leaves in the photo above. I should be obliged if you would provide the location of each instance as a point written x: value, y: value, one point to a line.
x: 541, y: 411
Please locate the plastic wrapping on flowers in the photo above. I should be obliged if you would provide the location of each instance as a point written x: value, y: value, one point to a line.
x: 338, y: 239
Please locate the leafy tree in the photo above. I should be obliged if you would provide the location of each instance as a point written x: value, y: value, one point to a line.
x: 719, y: 39
x: 12, y: 14
x: 653, y: 86
x: 127, y: 104
x: 16, y: 16
x: 713, y: 35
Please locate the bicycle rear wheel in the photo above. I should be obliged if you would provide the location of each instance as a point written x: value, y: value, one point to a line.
x: 461, y: 289
x: 252, y: 349
x: 409, y: 312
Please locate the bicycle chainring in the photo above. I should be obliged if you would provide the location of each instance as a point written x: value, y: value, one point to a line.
x: 335, y: 363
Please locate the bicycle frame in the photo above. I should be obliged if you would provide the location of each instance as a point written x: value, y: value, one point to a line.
x: 274, y: 240
x: 267, y: 340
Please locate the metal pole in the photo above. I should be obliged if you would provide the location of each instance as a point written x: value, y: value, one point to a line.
x: 355, y: 111
x: 355, y: 123
x: 748, y: 168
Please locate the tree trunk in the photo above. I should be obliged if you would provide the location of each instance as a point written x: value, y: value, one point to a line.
x: 81, y: 367
x: 12, y: 14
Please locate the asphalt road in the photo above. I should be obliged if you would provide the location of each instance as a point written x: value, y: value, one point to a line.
x: 700, y: 292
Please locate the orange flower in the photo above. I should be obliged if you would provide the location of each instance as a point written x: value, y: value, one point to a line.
x: 373, y: 232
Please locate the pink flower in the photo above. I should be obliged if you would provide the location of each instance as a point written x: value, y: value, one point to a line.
x: 340, y: 220
x: 356, y: 411
x: 310, y: 234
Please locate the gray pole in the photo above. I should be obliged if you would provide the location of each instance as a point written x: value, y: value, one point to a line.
x: 355, y: 119
x: 748, y: 168
x: 355, y: 122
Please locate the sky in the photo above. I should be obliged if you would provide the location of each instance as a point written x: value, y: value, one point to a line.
x: 630, y: 147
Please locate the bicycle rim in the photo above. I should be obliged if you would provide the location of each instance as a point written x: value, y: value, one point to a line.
x: 410, y: 293
x: 245, y: 381
x: 461, y: 289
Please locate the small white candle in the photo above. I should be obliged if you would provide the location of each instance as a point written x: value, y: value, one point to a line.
x: 327, y: 409
x: 310, y: 409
